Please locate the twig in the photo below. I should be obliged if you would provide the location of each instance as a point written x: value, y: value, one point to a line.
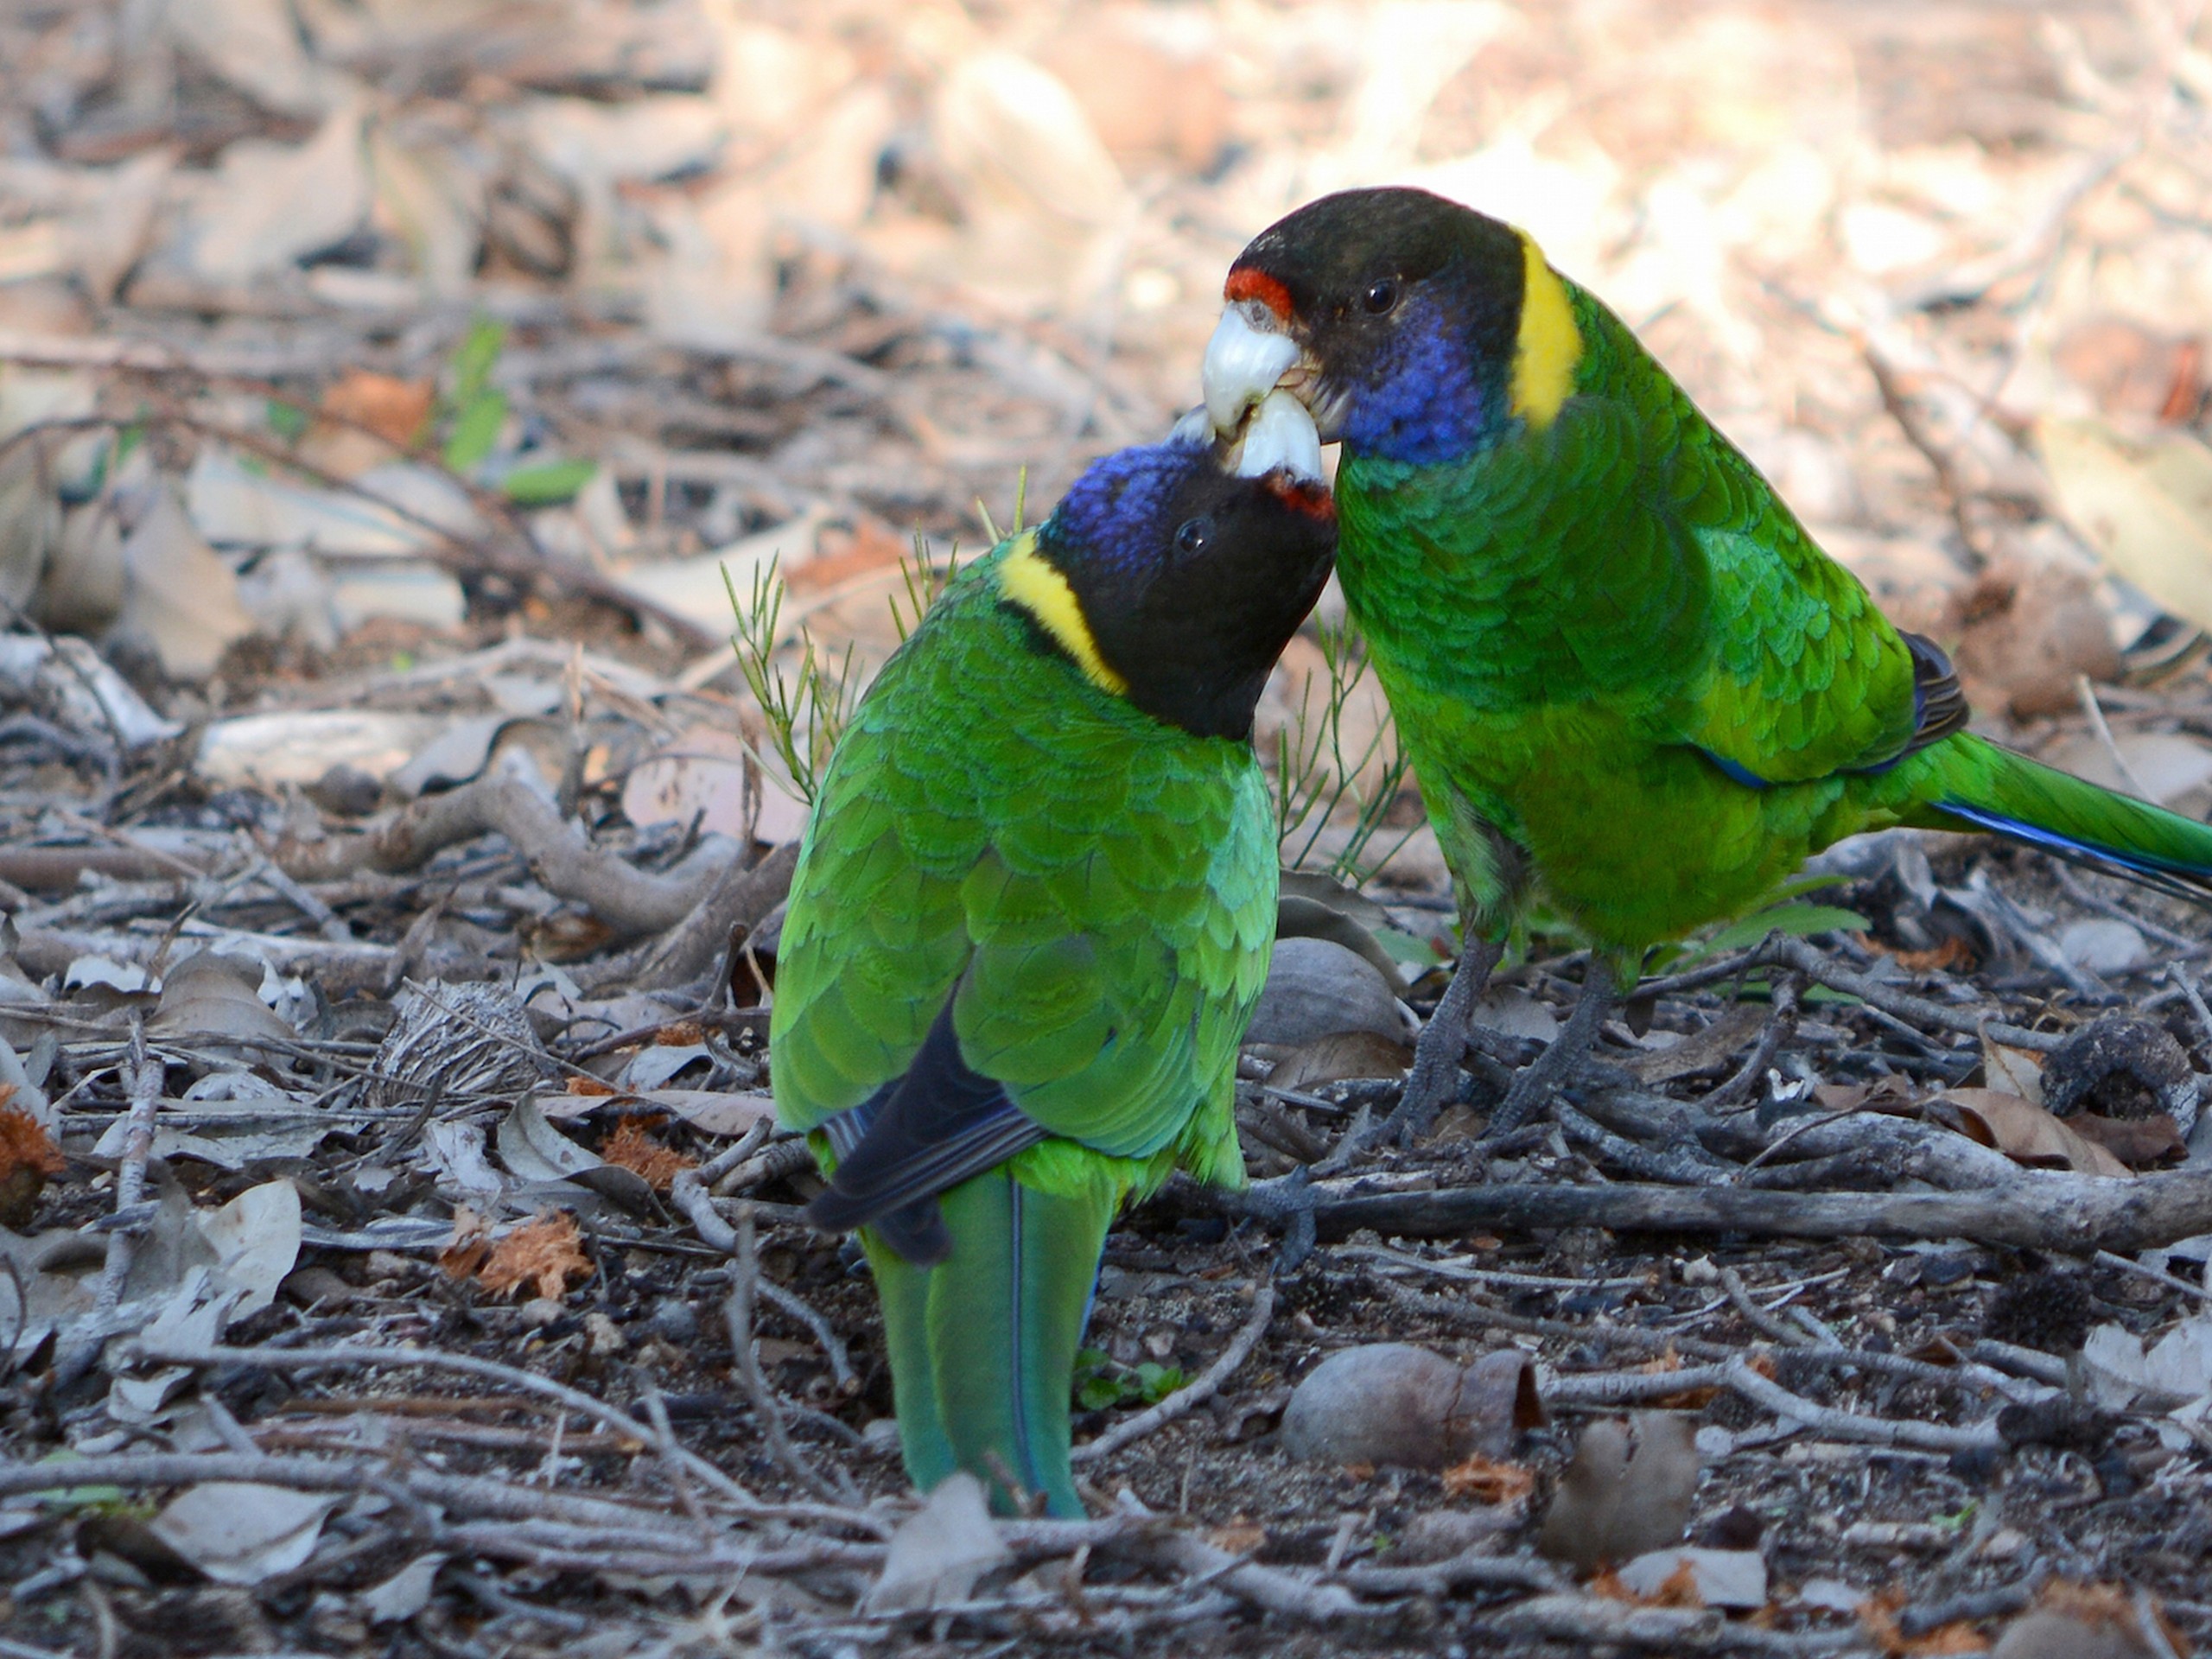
x: 1265, y: 1587
x: 1207, y: 1384
x: 1749, y: 1077
x: 738, y: 1310
x: 129, y: 1188
x: 1590, y: 1623
x: 1441, y: 1578
x: 2088, y: 695
x: 351, y: 1356
x: 2037, y: 1209
x: 1853, y: 1426
x: 1740, y: 1298
x: 1783, y: 951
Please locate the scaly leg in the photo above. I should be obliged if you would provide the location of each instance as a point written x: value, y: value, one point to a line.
x: 1557, y: 1062
x: 1434, y: 1080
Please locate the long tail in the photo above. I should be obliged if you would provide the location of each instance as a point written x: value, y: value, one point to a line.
x: 983, y: 1345
x: 1966, y: 783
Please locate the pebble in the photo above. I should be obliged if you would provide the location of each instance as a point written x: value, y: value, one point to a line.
x: 673, y: 1320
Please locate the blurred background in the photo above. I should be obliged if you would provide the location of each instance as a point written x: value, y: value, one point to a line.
x: 345, y: 338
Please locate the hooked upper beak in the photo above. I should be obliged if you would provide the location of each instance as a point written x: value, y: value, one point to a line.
x: 1243, y: 364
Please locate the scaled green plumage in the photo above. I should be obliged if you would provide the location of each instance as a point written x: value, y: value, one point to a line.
x: 1089, y: 889
x: 1627, y: 680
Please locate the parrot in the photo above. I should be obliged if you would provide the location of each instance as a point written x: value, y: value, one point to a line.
x: 1632, y: 688
x: 1030, y: 918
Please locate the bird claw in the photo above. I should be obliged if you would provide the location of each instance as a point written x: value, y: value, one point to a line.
x: 1433, y: 1083
x: 1288, y: 1201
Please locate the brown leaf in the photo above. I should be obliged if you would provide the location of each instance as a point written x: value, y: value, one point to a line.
x: 2136, y: 1141
x: 1486, y: 1480
x: 394, y: 410
x: 631, y: 1147
x: 1339, y: 1056
x: 1702, y: 1050
x: 2022, y: 1131
x: 28, y: 1159
x: 546, y: 1252
x: 471, y: 1243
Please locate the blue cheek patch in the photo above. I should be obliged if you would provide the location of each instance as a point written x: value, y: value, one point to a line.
x: 1426, y: 404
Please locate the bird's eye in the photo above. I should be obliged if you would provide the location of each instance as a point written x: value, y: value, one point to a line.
x: 1381, y: 295
x: 1191, y: 537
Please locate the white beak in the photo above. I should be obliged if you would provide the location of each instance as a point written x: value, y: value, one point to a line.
x: 1243, y: 365
x: 1280, y: 434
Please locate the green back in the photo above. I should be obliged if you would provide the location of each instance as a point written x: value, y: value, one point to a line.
x: 1098, y: 889
x: 1575, y: 624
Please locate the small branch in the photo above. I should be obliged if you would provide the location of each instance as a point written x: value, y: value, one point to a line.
x: 1184, y: 1400
x: 1835, y: 1425
x: 738, y: 1310
x: 129, y: 1188
x: 2037, y: 1209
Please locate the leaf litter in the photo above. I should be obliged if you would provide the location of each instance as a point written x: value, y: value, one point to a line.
x: 393, y: 846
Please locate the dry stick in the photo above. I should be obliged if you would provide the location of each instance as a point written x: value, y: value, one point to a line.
x: 129, y: 1188
x: 1442, y: 1578
x: 1780, y: 1028
x: 576, y: 1400
x: 1588, y: 1624
x: 1740, y: 1298
x: 689, y: 1194
x: 2038, y: 1210
x: 737, y: 1311
x: 560, y: 853
x: 1785, y: 952
x: 784, y: 1158
x: 1265, y: 1587
x: 1208, y: 1384
x: 1853, y: 1426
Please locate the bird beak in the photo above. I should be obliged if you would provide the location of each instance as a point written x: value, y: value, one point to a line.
x: 1280, y: 435
x: 1244, y: 362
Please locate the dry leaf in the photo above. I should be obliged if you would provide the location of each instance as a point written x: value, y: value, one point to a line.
x: 29, y: 1159
x: 1340, y: 1055
x: 545, y: 1253
x: 2146, y: 507
x: 1239, y: 1537
x: 2135, y: 1141
x: 1486, y: 1480
x: 631, y: 1147
x: 391, y: 408
x: 1627, y: 1489
x: 1701, y: 1050
x: 1878, y: 1614
x: 471, y: 1243
x: 2022, y: 1131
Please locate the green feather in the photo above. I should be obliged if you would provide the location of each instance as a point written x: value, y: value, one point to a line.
x: 1583, y: 628
x: 1096, y: 893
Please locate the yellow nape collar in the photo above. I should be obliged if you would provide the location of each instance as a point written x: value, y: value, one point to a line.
x: 1027, y: 579
x: 1549, y: 345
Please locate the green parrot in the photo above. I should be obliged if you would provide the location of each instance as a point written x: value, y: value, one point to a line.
x: 1030, y: 918
x: 1627, y: 680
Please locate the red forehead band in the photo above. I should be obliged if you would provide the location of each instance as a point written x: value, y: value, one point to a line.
x: 1308, y: 496
x: 1246, y: 284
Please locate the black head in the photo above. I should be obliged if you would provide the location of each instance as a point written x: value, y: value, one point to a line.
x: 1178, y: 582
x: 1408, y: 314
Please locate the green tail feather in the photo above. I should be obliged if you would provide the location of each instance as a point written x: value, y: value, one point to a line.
x: 982, y: 1346
x: 1969, y: 783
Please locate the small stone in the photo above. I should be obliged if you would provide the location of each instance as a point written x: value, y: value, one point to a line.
x: 881, y: 1434
x: 673, y: 1320
x: 603, y: 1335
x: 346, y: 791
x: 385, y: 1264
x: 541, y: 1310
x: 1725, y: 1578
